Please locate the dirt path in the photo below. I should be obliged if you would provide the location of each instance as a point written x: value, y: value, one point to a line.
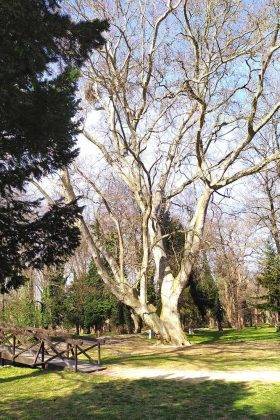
x: 197, y: 375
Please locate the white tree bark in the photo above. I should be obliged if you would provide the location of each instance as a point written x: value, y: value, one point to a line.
x: 173, y: 128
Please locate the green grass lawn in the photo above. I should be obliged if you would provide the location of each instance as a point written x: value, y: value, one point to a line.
x: 248, y: 334
x: 36, y: 394
x: 249, y: 349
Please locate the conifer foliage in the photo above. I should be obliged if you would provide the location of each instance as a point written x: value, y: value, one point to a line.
x: 269, y: 279
x: 41, y: 51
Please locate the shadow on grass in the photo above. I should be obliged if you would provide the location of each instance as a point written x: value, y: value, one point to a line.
x: 32, y: 374
x: 156, y: 360
x: 249, y: 334
x: 220, y: 356
x: 160, y: 398
x: 206, y: 337
x: 222, y: 360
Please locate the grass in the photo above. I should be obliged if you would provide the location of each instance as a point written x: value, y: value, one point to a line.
x: 249, y: 349
x: 35, y: 394
x: 229, y: 335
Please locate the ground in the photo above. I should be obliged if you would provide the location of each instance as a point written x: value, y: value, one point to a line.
x: 146, y: 380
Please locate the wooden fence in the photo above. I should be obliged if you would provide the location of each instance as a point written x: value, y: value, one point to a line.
x: 48, y: 348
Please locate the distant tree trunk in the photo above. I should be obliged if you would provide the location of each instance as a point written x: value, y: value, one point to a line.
x: 137, y: 322
x: 3, y: 306
x: 277, y: 321
x: 220, y: 325
x: 211, y: 322
x: 240, y: 320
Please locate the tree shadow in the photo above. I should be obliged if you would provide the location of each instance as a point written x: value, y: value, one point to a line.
x: 207, y: 336
x: 248, y: 334
x: 161, y: 398
x: 33, y: 374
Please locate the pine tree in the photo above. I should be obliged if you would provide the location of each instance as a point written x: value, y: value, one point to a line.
x: 270, y: 280
x: 205, y: 293
x: 99, y: 302
x: 88, y: 303
x: 53, y: 300
x: 41, y: 51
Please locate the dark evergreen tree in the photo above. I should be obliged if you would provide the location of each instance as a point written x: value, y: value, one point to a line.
x: 270, y: 280
x: 74, y: 303
x: 88, y: 304
x: 53, y: 301
x: 204, y: 292
x: 41, y: 51
x: 174, y: 239
x: 99, y: 303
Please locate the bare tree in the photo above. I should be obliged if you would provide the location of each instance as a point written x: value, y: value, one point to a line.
x: 231, y: 254
x: 264, y: 205
x: 182, y: 92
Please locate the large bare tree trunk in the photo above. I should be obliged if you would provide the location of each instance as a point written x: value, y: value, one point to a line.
x: 168, y: 326
x: 172, y: 323
x: 184, y: 136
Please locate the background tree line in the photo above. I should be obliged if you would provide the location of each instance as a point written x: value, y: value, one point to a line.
x: 221, y: 293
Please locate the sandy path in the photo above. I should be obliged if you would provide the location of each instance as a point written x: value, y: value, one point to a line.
x: 198, y: 375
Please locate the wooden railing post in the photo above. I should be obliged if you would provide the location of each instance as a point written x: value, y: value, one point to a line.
x: 43, y: 354
x: 68, y: 350
x: 99, y: 354
x: 14, y: 348
x: 76, y: 358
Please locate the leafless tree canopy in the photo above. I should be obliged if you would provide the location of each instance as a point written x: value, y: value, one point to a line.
x: 181, y: 102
